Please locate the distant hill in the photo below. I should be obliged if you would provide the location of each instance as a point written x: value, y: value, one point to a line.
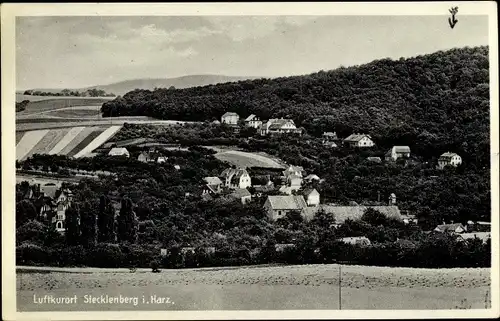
x: 122, y: 87
x: 434, y: 103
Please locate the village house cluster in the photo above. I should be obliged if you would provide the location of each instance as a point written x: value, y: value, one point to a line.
x: 264, y: 128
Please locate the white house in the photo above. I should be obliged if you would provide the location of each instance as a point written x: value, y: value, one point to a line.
x: 230, y: 118
x: 359, y: 140
x: 236, y: 178
x: 119, y: 151
x: 253, y: 121
x: 397, y: 152
x: 312, y: 197
x: 279, y: 126
x: 449, y: 158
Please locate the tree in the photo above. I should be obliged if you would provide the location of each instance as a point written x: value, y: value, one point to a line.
x: 106, y: 221
x: 127, y: 222
x: 88, y: 225
x: 72, y: 233
x: 25, y: 211
x: 374, y: 217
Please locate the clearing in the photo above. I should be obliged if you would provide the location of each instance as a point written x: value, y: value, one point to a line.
x: 254, y: 288
x: 247, y: 159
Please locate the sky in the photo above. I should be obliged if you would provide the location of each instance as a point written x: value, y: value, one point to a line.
x: 81, y: 51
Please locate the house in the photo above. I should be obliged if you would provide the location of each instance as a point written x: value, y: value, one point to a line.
x: 161, y: 159
x: 312, y: 177
x: 449, y: 158
x: 478, y: 226
x: 483, y: 236
x: 312, y: 197
x: 260, y: 189
x: 451, y: 228
x: 329, y: 136
x: 213, y: 185
x: 409, y: 218
x: 279, y: 126
x: 236, y: 178
x: 330, y: 144
x: 377, y: 160
x: 145, y: 157
x: 253, y: 121
x: 63, y: 196
x: 356, y: 240
x: 352, y: 212
x: 293, y: 170
x: 359, y: 140
x: 294, y: 180
x: 119, y: 151
x: 397, y: 152
x: 242, y: 194
x: 60, y: 218
x: 230, y: 118
x: 278, y: 206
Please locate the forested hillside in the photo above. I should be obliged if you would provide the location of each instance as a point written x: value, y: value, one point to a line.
x: 437, y: 101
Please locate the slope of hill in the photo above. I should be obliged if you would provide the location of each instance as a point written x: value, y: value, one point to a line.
x: 122, y: 87
x: 433, y: 102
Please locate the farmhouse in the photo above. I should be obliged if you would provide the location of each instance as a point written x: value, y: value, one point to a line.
x: 241, y: 194
x: 119, y: 151
x: 230, y: 118
x: 451, y: 228
x: 397, y: 152
x: 449, y: 158
x: 359, y: 140
x: 236, y: 178
x: 253, y: 121
x: 278, y: 206
x: 213, y: 185
x: 279, y: 126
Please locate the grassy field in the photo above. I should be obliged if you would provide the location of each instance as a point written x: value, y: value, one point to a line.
x: 51, y: 103
x: 283, y: 287
x: 245, y: 159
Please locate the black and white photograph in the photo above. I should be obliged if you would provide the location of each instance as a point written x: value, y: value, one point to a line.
x: 203, y: 158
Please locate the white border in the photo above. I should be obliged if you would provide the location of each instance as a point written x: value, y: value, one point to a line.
x: 8, y: 13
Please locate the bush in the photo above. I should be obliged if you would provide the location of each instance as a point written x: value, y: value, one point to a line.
x: 31, y: 254
x: 107, y: 255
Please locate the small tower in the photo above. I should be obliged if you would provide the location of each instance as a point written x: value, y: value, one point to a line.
x: 392, y: 199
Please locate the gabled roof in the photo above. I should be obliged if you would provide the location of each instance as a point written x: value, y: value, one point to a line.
x: 312, y: 177
x: 356, y: 137
x: 228, y: 114
x: 117, y: 151
x: 309, y: 191
x: 49, y: 190
x: 251, y: 117
x: 450, y: 227
x: 234, y: 173
x: 289, y: 202
x: 279, y: 123
x: 212, y: 180
x: 401, y: 149
x: 342, y: 213
x: 448, y: 155
x: 240, y: 192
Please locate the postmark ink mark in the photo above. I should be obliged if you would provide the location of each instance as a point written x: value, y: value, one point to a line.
x: 452, y: 20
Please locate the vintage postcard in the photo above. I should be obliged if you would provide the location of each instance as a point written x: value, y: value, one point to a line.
x: 250, y: 160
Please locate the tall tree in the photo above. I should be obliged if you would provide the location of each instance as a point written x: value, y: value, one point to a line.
x: 88, y: 225
x: 73, y: 224
x: 106, y: 221
x: 127, y: 222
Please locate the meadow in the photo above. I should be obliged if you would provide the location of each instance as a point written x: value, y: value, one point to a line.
x: 270, y: 287
x: 245, y: 159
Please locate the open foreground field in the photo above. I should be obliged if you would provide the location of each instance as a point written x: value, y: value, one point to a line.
x: 263, y: 288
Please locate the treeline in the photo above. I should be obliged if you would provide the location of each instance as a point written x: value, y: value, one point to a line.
x: 20, y: 106
x: 71, y: 93
x: 439, y: 101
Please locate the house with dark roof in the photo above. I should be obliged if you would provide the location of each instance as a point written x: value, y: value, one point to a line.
x: 449, y: 158
x: 230, y: 118
x: 397, y: 152
x: 236, y: 178
x: 329, y: 136
x: 253, y: 121
x: 278, y: 206
x: 359, y: 140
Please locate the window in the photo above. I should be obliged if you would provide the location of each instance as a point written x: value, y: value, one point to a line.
x: 59, y: 225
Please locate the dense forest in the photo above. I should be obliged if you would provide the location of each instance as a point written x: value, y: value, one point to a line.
x: 440, y: 100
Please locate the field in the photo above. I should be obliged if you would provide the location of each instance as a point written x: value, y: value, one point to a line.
x: 44, y: 103
x: 245, y: 159
x: 282, y: 287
